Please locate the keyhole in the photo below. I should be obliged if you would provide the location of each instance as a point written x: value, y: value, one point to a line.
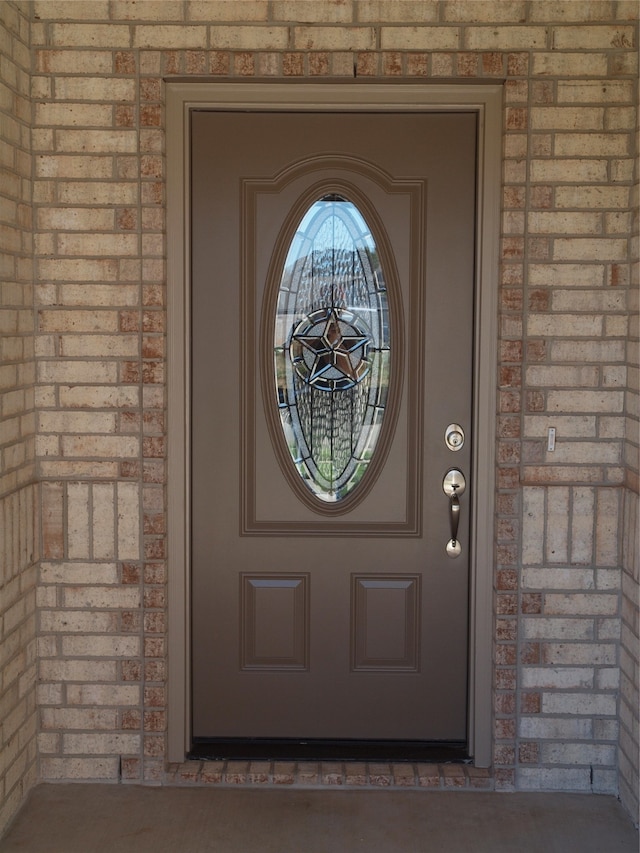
x: 454, y: 436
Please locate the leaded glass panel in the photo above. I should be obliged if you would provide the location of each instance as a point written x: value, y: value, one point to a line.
x: 332, y: 348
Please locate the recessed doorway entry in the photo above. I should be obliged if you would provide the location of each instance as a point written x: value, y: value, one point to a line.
x: 331, y: 471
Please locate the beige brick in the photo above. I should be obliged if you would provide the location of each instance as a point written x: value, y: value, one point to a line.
x: 566, y: 118
x: 163, y: 37
x: 80, y: 621
x: 76, y: 422
x: 591, y: 704
x: 77, y: 372
x: 98, y: 244
x: 557, y: 534
x: 62, y: 10
x: 582, y: 526
x: 48, y: 743
x: 593, y: 37
x: 591, y: 144
x: 91, y: 35
x: 92, y: 141
x: 588, y: 171
x: 607, y: 525
x: 93, y: 88
x: 93, y: 62
x: 318, y: 11
x: 249, y: 38
x: 70, y: 166
x: 533, y: 525
x: 128, y: 521
x: 583, y: 753
x: 337, y: 38
x: 622, y: 170
x: 585, y: 401
x: 78, y: 573
x: 59, y: 320
x: 618, y: 223
x: 555, y: 728
x: 514, y: 171
x: 77, y: 670
x: 100, y: 694
x: 52, y: 767
x: 567, y: 678
x: 561, y: 11
x: 580, y: 426
x: 593, y: 351
x: 106, y: 446
x: 78, y: 718
x: 89, y: 396
x: 593, y: 249
x: 98, y: 295
x: 97, y: 193
x: 100, y: 597
x: 91, y: 645
x: 150, y: 10
x: 600, y: 301
x: 120, y: 744
x: 558, y: 578
x: 614, y: 377
x: 570, y: 628
x: 592, y: 197
x: 595, y: 91
x: 570, y: 64
x: 545, y: 222
x: 505, y: 38
x: 226, y: 10
x: 581, y: 604
x: 612, y: 427
x: 74, y: 219
x: 396, y: 11
x: 619, y: 118
x: 78, y: 543
x: 51, y: 470
x: 103, y: 522
x: 600, y: 452
x: 561, y: 325
x: 98, y: 346
x: 74, y: 115
x: 46, y: 597
x: 558, y: 376
x: 608, y: 579
x: 478, y: 11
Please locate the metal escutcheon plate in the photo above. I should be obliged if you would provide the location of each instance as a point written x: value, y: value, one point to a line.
x: 454, y: 482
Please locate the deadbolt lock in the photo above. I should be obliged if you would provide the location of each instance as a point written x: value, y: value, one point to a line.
x: 454, y: 436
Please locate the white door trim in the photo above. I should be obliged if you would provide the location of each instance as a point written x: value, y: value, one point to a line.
x: 486, y: 101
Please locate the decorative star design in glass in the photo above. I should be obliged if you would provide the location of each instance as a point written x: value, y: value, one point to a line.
x: 329, y: 349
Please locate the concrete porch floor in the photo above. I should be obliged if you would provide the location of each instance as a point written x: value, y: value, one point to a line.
x: 96, y: 818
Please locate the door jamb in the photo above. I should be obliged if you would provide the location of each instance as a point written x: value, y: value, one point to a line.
x: 486, y: 101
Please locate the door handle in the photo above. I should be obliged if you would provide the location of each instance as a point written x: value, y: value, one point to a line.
x: 454, y: 485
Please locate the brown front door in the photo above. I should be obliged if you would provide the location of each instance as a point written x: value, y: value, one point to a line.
x: 332, y: 346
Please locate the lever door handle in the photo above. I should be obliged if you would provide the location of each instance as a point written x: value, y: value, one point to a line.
x: 454, y: 516
x: 453, y: 485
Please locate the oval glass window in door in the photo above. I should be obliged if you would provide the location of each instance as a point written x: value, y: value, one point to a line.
x: 332, y: 348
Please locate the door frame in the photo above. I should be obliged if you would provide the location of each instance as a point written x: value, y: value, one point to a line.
x: 486, y: 102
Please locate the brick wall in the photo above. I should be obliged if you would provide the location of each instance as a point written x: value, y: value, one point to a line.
x: 18, y: 494
x: 566, y: 353
x: 630, y: 632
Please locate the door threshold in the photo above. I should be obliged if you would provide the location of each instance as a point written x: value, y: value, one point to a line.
x: 292, y: 749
